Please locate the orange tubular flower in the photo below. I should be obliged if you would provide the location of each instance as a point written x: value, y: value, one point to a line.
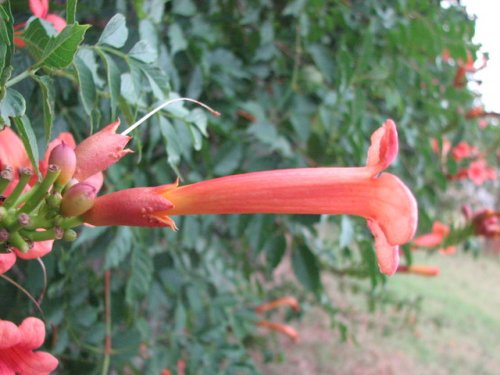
x: 16, y: 348
x: 281, y: 328
x: 386, y: 203
x: 417, y: 269
x: 434, y: 238
x: 284, y: 301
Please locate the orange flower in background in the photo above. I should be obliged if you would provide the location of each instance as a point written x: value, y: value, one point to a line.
x: 486, y: 223
x: 446, y: 146
x: 284, y: 301
x: 475, y: 112
x: 449, y: 250
x: 463, y: 150
x: 417, y: 269
x: 479, y: 172
x: 40, y: 9
x: 434, y: 238
x: 17, y: 345
x: 285, y: 329
x: 381, y: 198
x: 467, y: 67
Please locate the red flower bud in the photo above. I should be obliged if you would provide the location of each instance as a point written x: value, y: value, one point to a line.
x: 65, y: 158
x: 78, y: 199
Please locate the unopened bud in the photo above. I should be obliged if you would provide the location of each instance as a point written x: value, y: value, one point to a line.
x: 70, y: 235
x: 78, y: 199
x: 64, y: 157
x: 54, y: 200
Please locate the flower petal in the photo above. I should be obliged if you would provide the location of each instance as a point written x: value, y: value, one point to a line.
x: 40, y: 248
x: 7, y: 260
x: 384, y: 147
x: 39, y: 8
x: 99, y: 151
x: 9, y: 335
x: 12, y: 152
x: 59, y: 23
x: 387, y: 254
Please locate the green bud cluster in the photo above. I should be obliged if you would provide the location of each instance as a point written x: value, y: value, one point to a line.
x: 45, y: 210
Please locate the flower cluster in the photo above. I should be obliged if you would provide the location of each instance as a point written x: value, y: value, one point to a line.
x: 34, y: 213
x: 477, y: 170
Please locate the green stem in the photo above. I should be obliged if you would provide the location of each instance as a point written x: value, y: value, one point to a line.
x: 16, y: 240
x: 39, y: 192
x: 24, y: 177
x: 20, y: 77
x: 5, y: 178
x: 107, y: 322
x: 71, y: 222
x: 50, y: 234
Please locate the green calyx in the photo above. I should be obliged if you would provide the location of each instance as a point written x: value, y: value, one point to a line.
x: 33, y: 213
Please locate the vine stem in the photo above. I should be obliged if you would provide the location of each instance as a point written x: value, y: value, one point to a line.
x: 20, y: 77
x: 107, y: 317
x: 163, y: 105
x: 31, y: 298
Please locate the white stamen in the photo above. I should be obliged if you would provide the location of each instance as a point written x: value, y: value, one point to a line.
x: 160, y: 107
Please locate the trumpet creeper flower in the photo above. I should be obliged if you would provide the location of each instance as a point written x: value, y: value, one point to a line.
x: 17, y: 345
x: 382, y: 199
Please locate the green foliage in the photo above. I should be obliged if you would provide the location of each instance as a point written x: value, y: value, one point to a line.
x: 299, y: 83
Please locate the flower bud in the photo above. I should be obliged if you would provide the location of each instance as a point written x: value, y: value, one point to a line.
x: 65, y: 158
x: 78, y: 199
x: 70, y: 235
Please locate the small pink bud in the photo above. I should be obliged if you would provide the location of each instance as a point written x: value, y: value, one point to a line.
x: 78, y: 199
x: 65, y: 158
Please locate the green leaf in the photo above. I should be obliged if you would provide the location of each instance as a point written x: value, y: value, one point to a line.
x: 143, y: 51
x: 275, y: 249
x: 12, y: 105
x: 71, y: 11
x: 36, y: 37
x: 53, y: 51
x: 177, y: 40
x: 370, y: 259
x: 228, y: 158
x: 6, y: 43
x: 113, y: 76
x: 142, y: 274
x: 306, y: 268
x: 115, y: 34
x: 157, y: 79
x: 119, y: 248
x: 87, y: 86
x: 25, y: 132
x: 47, y: 88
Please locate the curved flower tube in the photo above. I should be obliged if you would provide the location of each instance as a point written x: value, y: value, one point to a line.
x: 281, y: 328
x: 283, y: 301
x: 434, y: 238
x: 419, y: 269
x: 386, y: 203
x: 17, y: 345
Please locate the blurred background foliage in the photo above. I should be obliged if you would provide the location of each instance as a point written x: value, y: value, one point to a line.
x: 299, y: 83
